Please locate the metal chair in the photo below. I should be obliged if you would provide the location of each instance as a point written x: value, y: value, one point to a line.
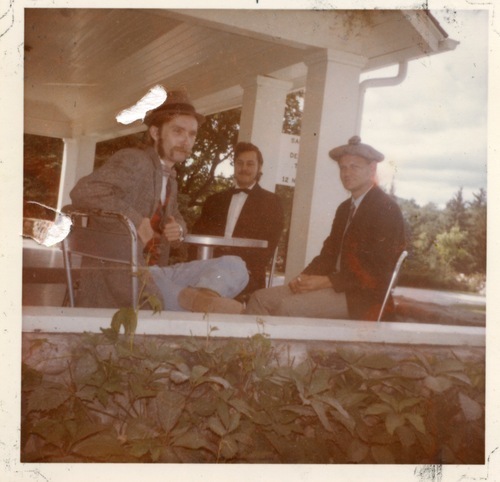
x: 273, y: 266
x: 87, y: 238
x: 392, y: 284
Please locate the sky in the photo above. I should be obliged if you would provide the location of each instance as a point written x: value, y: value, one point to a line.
x: 432, y: 128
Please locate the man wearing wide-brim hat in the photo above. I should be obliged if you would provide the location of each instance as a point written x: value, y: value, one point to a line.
x: 141, y: 184
x: 350, y: 276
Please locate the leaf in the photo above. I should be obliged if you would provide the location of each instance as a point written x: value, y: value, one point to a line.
x: 220, y: 381
x: 99, y: 447
x: 382, y: 454
x: 155, y: 303
x: 350, y: 356
x: 378, y: 409
x: 234, y: 422
x: 406, y: 436
x: 438, y: 384
x: 243, y: 438
x: 393, y: 421
x: 462, y: 377
x: 197, y: 372
x: 242, y: 406
x: 319, y: 408
x: 336, y: 405
x: 126, y: 317
x: 47, y: 398
x: 51, y: 430
x: 216, y: 426
x: 320, y: 381
x: 140, y: 428
x: 423, y: 360
x: 299, y: 410
x: 377, y: 361
x: 169, y: 406
x: 228, y: 447
x: 192, y: 440
x: 408, y: 403
x: 349, y: 399
x: 417, y: 421
x: 471, y: 409
x: 358, y: 451
x: 449, y: 365
x: 409, y: 370
x: 178, y: 377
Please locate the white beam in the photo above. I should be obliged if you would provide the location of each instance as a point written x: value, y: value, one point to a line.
x: 77, y: 320
x: 329, y: 120
x: 78, y: 161
x: 261, y: 122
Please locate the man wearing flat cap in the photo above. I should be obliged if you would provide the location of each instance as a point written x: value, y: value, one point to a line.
x: 141, y: 184
x: 350, y: 276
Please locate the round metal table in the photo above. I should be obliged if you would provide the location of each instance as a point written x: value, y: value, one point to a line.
x: 206, y: 243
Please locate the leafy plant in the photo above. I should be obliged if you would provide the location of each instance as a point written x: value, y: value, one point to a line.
x: 207, y: 400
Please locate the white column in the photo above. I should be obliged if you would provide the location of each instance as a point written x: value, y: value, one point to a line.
x: 329, y: 120
x: 261, y: 122
x: 78, y: 161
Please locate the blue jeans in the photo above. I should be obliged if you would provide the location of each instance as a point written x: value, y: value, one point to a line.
x: 226, y: 275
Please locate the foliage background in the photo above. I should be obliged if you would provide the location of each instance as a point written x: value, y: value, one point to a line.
x: 94, y: 398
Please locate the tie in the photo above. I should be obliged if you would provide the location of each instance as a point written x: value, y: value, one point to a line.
x: 151, y: 250
x: 352, y: 210
x: 237, y: 190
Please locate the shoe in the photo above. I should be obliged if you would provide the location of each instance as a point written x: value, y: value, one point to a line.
x: 203, y: 300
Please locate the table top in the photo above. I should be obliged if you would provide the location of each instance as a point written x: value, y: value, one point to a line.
x: 206, y: 240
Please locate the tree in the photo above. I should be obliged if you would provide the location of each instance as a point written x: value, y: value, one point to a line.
x: 476, y: 241
x: 456, y: 211
x: 292, y: 122
x: 42, y: 167
x: 214, y: 145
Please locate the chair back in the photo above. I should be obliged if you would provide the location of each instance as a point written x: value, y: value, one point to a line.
x: 103, y: 235
x: 273, y: 266
x: 393, y: 282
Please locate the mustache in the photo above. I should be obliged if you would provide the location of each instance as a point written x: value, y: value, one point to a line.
x: 183, y: 150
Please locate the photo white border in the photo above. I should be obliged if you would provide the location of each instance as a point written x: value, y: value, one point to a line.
x: 11, y: 156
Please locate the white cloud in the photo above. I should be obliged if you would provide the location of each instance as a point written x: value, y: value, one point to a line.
x: 433, y: 127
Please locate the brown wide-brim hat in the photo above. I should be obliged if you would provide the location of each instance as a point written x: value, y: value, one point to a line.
x: 356, y: 148
x: 177, y: 102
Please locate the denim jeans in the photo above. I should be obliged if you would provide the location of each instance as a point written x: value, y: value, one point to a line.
x: 226, y: 275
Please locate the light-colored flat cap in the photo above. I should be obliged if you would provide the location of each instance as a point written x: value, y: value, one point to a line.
x: 355, y: 148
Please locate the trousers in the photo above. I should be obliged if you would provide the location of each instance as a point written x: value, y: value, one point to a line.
x: 226, y: 275
x: 281, y: 301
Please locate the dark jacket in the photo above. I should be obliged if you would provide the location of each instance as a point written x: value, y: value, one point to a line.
x: 372, y: 243
x: 261, y: 218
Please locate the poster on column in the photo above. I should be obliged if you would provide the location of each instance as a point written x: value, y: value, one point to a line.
x: 287, y: 163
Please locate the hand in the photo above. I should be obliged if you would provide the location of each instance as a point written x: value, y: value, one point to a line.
x: 145, y: 231
x: 172, y: 230
x: 307, y: 282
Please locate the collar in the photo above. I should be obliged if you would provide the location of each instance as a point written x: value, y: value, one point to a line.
x: 358, y: 200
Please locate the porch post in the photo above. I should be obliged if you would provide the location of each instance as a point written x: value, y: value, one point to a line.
x: 261, y: 122
x: 78, y: 161
x: 329, y: 120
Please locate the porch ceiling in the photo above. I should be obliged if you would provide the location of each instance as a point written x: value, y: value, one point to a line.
x: 82, y: 66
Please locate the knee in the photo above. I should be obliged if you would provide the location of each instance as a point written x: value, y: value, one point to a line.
x: 235, y: 265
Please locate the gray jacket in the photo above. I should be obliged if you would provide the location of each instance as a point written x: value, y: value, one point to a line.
x: 130, y: 183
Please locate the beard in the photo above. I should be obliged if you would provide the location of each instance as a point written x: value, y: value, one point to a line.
x: 170, y: 155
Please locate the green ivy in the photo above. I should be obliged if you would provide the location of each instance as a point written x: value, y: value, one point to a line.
x: 236, y: 401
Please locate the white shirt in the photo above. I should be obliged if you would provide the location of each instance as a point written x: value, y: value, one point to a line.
x: 164, y: 177
x: 235, y: 207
